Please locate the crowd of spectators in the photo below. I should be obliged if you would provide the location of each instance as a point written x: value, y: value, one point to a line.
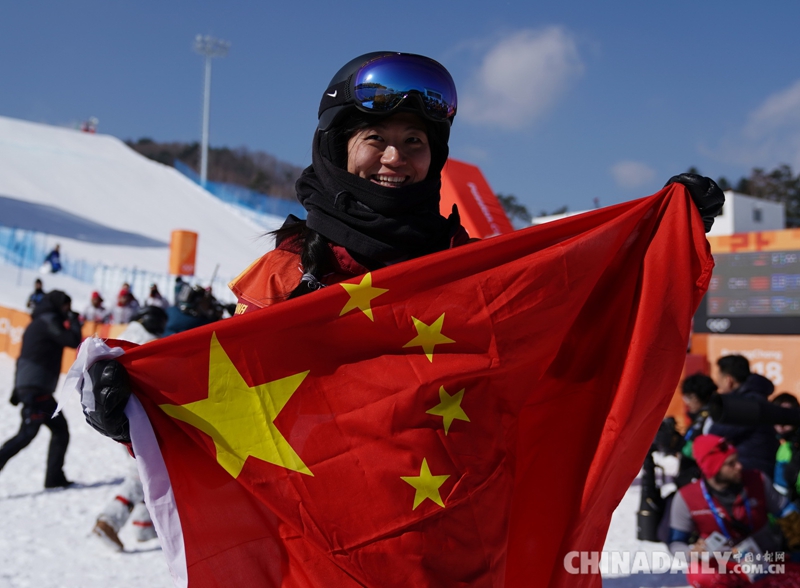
x: 735, y: 490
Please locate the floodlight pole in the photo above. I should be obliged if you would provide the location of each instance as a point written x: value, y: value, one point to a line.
x: 208, y: 47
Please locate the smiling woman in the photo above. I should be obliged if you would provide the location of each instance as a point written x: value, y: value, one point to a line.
x: 392, y: 152
x: 372, y: 191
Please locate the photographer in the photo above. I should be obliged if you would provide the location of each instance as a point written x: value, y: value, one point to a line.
x: 697, y: 392
x: 787, y: 460
x: 756, y: 444
x: 54, y: 326
x: 196, y: 307
x: 653, y: 514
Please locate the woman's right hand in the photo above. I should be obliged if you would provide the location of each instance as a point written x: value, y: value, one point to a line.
x: 111, y: 387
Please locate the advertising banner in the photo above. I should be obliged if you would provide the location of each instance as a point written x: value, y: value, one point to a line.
x: 182, y: 253
x: 12, y: 325
x: 774, y: 357
x: 481, y: 212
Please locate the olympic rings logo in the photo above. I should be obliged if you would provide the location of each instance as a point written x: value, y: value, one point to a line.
x: 718, y: 325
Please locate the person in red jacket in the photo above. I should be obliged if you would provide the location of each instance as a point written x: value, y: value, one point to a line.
x: 731, y: 504
x: 372, y: 191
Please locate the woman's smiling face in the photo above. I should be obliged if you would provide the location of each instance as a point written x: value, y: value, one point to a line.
x: 393, y: 152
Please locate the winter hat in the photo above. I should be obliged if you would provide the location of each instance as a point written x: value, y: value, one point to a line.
x: 96, y: 294
x: 710, y: 451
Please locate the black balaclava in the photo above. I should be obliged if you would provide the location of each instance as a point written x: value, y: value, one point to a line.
x: 380, y: 224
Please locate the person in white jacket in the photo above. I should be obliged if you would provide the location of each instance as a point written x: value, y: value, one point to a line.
x: 127, y: 504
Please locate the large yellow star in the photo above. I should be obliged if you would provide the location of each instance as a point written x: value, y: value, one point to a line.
x: 240, y: 419
x: 449, y: 408
x: 426, y: 485
x: 428, y: 336
x: 361, y: 295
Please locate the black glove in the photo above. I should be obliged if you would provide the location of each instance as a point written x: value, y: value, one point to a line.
x: 111, y: 389
x: 705, y: 193
x: 14, y: 398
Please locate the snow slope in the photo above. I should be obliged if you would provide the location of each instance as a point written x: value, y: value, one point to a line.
x: 106, y: 203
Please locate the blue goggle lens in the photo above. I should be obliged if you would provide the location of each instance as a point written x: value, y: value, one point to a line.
x: 382, y: 84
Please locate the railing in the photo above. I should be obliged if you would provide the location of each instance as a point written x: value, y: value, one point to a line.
x: 244, y: 197
x: 27, y: 249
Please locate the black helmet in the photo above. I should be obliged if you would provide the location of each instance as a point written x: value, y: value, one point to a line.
x: 382, y: 83
x: 418, y: 84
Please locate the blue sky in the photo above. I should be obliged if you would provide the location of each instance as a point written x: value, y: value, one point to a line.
x: 559, y: 104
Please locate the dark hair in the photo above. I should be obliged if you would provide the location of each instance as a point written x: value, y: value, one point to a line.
x: 316, y: 258
x: 699, y: 385
x: 786, y: 398
x: 735, y: 366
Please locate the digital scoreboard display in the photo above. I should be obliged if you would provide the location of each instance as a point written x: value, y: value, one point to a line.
x: 765, y: 283
x: 752, y: 292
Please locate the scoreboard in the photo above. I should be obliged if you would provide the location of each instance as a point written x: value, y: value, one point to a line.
x: 755, y: 287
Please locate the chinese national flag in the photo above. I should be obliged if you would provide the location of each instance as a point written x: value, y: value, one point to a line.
x: 463, y: 419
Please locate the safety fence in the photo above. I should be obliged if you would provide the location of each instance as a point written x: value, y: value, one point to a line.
x: 244, y: 197
x: 23, y: 248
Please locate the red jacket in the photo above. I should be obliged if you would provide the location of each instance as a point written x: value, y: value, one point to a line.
x: 704, y: 518
x: 273, y: 276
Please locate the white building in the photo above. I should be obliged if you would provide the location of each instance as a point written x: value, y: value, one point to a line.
x: 745, y: 214
x: 741, y: 214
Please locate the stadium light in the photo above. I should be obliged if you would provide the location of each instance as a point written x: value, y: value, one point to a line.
x: 209, y: 47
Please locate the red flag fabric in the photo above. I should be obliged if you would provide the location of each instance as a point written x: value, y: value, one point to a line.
x: 463, y: 419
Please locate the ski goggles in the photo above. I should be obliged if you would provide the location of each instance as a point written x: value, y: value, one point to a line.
x: 383, y: 83
x: 387, y: 82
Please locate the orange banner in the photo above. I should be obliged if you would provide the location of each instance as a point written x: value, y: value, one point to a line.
x: 481, y: 212
x: 182, y: 253
x: 772, y: 356
x: 13, y: 324
x: 786, y: 240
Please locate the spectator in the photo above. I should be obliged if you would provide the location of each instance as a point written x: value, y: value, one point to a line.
x: 195, y: 308
x: 54, y: 326
x: 36, y: 296
x: 730, y: 500
x: 127, y: 306
x: 756, y: 445
x: 95, y: 311
x: 787, y: 460
x: 654, y: 509
x: 180, y: 285
x: 128, y: 501
x: 697, y: 391
x: 155, y: 298
x: 53, y: 259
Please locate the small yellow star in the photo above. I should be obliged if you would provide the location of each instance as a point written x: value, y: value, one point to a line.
x: 449, y: 408
x: 241, y: 419
x: 361, y: 295
x: 426, y: 485
x: 428, y: 336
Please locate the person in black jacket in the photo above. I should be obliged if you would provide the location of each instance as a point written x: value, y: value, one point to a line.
x: 755, y: 444
x: 54, y: 326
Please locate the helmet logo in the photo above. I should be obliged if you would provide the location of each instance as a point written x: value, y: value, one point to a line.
x: 332, y: 94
